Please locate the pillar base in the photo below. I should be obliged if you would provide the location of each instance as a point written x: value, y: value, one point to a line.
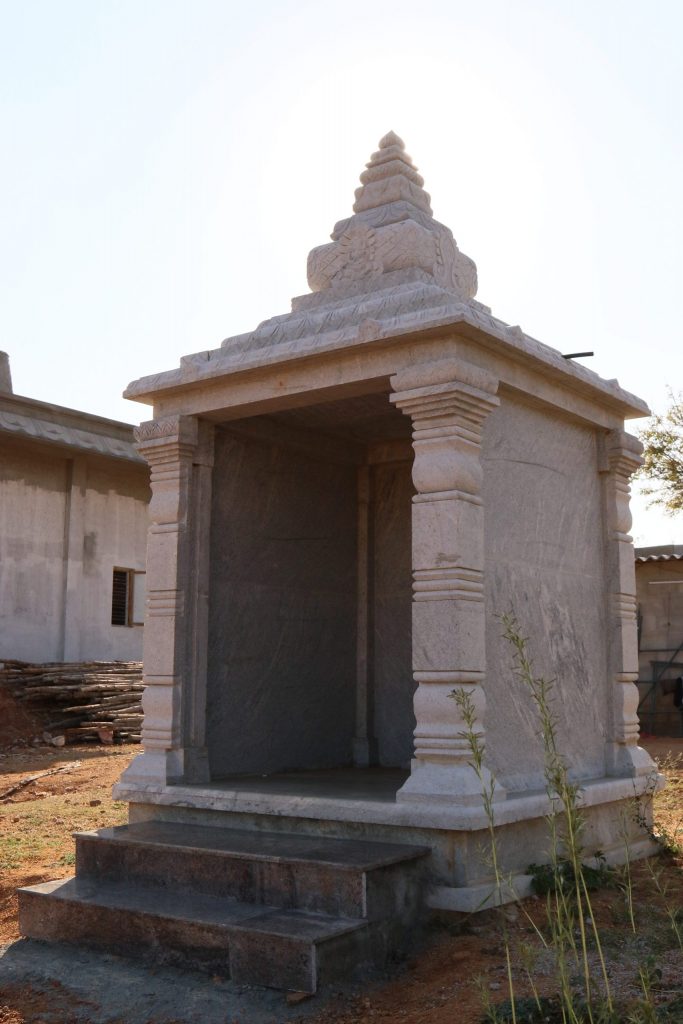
x: 455, y: 783
x: 166, y: 767
x: 629, y: 759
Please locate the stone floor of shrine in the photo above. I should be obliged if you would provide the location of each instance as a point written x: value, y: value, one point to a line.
x: 367, y: 784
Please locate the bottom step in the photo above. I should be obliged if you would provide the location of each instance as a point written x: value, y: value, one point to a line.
x: 253, y: 944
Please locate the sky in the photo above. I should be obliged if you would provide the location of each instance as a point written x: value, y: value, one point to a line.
x: 168, y: 165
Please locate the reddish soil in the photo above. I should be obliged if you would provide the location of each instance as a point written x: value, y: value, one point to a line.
x: 17, y: 724
x: 443, y: 983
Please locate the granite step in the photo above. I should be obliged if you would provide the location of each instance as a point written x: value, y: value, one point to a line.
x: 250, y: 943
x: 341, y: 877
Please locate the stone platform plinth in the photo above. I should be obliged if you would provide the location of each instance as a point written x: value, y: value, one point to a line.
x: 361, y: 805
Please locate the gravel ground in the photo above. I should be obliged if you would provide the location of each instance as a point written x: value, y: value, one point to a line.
x: 65, y: 985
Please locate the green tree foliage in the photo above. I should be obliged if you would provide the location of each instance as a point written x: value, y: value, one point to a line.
x: 663, y: 455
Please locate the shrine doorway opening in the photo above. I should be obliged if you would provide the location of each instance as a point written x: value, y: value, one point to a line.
x: 309, y: 655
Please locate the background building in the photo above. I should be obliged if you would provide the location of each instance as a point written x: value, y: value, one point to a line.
x: 73, y: 531
x: 659, y: 583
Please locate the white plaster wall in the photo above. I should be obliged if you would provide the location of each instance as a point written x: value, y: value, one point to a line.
x: 107, y: 510
x: 659, y: 587
x: 32, y: 529
x: 545, y: 562
x: 660, y: 606
x: 115, y: 534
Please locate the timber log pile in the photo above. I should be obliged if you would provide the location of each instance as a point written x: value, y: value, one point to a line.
x: 94, y: 700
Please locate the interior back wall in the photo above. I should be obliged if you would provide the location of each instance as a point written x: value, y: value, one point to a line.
x: 282, y: 598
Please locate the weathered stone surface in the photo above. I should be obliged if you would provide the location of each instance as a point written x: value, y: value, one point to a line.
x: 545, y: 563
x: 275, y: 910
x: 392, y: 230
x: 271, y: 948
x: 288, y: 871
x: 281, y: 648
x: 393, y: 686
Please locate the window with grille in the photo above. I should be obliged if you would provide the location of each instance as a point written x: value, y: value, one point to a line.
x: 128, y: 597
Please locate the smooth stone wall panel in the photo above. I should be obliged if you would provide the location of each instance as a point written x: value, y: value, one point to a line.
x: 545, y: 563
x: 282, y: 629
x: 393, y: 677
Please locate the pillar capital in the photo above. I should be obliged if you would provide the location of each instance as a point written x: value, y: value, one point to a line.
x: 445, y: 397
x: 166, y: 439
x: 620, y: 458
x: 448, y: 402
x: 444, y: 371
x: 622, y: 454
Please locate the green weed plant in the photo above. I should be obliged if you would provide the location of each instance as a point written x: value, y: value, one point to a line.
x: 565, y: 883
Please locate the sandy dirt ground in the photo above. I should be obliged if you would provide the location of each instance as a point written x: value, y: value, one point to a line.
x: 456, y: 962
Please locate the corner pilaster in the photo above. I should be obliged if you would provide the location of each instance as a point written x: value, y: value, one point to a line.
x: 179, y: 451
x: 448, y: 402
x: 621, y: 457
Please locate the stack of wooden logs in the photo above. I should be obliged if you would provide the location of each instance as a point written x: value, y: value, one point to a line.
x: 95, y: 700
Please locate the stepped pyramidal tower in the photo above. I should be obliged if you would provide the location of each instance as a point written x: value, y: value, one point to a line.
x: 389, y: 266
x: 392, y: 238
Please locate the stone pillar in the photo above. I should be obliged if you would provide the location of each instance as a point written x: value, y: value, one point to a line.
x: 179, y: 450
x: 448, y: 402
x: 620, y: 459
x: 364, y: 741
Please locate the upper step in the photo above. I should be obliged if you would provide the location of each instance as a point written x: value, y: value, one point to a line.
x: 347, y: 878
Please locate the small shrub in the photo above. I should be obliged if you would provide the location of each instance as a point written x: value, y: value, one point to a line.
x: 547, y: 877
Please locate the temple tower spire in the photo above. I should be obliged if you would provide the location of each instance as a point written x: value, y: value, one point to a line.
x: 392, y: 237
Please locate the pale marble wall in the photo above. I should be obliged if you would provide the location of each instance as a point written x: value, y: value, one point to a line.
x: 282, y: 627
x: 545, y: 561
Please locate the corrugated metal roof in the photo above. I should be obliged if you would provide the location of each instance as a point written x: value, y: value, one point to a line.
x: 659, y: 558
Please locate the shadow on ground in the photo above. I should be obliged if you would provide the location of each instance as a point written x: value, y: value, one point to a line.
x: 60, y: 984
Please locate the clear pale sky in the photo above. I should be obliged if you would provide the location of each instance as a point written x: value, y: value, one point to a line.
x: 167, y: 166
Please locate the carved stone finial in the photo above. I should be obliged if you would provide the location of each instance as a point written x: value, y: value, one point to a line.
x: 390, y: 175
x: 392, y: 235
x: 391, y: 139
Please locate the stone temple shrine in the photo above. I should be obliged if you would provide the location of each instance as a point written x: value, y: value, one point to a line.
x: 345, y: 501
